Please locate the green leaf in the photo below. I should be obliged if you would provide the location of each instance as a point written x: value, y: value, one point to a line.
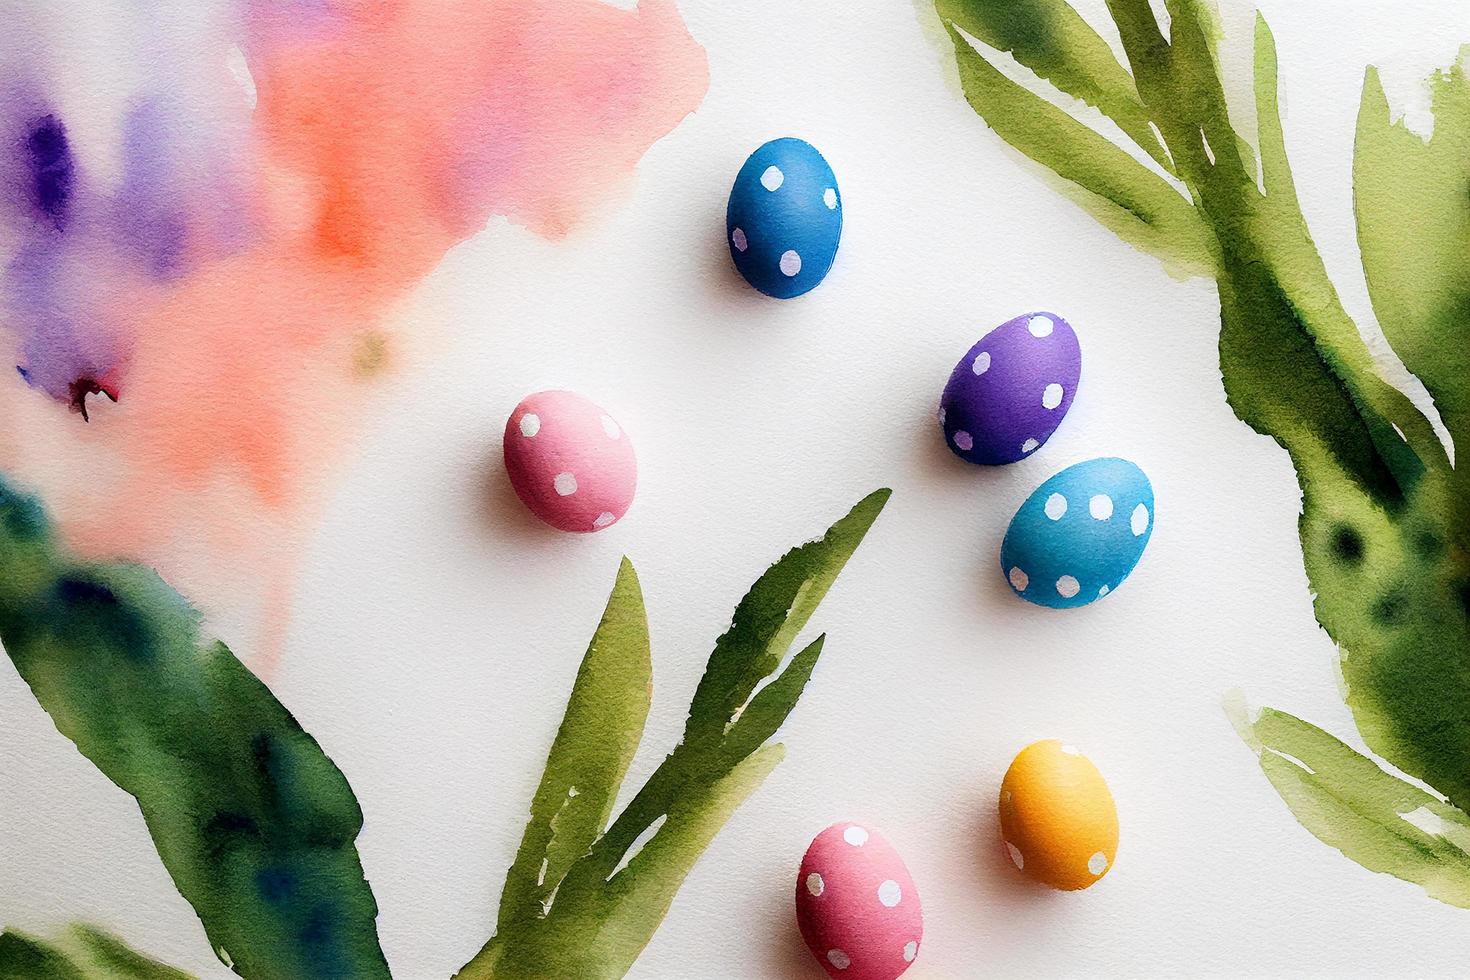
x: 23, y: 957
x: 1136, y: 204
x: 87, y: 953
x: 607, y: 906
x: 1051, y: 39
x: 772, y: 704
x: 1413, y: 222
x: 252, y: 820
x: 599, y: 734
x: 770, y: 616
x: 600, y: 940
x: 1348, y: 802
x: 1275, y: 167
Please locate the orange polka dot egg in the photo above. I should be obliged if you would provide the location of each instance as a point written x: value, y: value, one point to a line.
x: 1057, y: 817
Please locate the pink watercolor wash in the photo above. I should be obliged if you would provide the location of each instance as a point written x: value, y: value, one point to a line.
x: 856, y: 905
x: 287, y: 176
x: 570, y: 462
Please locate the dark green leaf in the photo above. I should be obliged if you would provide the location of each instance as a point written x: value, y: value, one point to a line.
x: 252, y: 820
x: 770, y: 616
x: 26, y: 958
x: 771, y: 705
x: 86, y: 953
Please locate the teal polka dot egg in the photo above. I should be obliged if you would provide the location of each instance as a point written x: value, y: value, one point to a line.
x: 784, y: 218
x: 1080, y: 534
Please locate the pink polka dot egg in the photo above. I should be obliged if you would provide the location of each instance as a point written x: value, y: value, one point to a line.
x: 856, y: 906
x: 569, y: 461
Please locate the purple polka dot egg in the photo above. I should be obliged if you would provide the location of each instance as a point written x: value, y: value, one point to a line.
x: 1011, y: 390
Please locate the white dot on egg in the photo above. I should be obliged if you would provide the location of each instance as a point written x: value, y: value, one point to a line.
x: 1029, y: 446
x: 829, y: 198
x: 1098, y: 863
x: 889, y: 893
x: 941, y: 414
x: 1103, y: 591
x: 855, y: 835
x: 963, y: 440
x: 1040, y: 326
x: 1052, y: 396
x: 1056, y: 506
x: 790, y: 262
x: 1070, y: 750
x: 910, y: 950
x: 530, y: 424
x: 1019, y: 579
x: 815, y: 884
x: 839, y: 959
x: 738, y: 239
x: 604, y: 519
x: 610, y: 427
x: 1139, y: 520
x: 981, y: 364
x: 772, y: 178
x: 1067, y: 586
x: 1017, y: 858
x: 565, y: 484
x: 1100, y: 507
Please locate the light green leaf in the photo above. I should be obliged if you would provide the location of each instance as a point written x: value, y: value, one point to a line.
x: 1051, y: 39
x: 771, y: 705
x: 1275, y: 167
x: 1136, y: 204
x: 600, y: 941
x: 606, y: 907
x: 1348, y: 802
x: 1413, y: 222
x: 598, y: 737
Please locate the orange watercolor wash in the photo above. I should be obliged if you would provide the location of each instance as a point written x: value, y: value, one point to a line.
x: 379, y: 139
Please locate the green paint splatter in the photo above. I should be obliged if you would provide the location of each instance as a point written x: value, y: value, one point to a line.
x: 252, y: 820
x: 1385, y: 526
x: 581, y: 901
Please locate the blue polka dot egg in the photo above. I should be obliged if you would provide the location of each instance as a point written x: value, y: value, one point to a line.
x: 1077, y: 537
x: 784, y: 219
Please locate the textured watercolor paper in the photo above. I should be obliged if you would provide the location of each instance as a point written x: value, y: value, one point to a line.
x: 293, y: 681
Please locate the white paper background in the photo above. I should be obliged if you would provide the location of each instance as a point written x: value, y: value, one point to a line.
x: 438, y: 628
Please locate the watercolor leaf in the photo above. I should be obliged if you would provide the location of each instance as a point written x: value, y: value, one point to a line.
x: 639, y: 896
x: 1348, y: 802
x: 1052, y: 39
x: 1131, y: 201
x: 771, y: 705
x: 87, y: 953
x: 23, y: 957
x: 252, y: 820
x: 605, y: 909
x: 769, y: 617
x: 1414, y: 234
x: 1385, y: 524
x: 598, y: 737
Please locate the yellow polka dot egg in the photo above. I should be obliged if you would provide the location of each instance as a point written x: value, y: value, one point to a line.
x: 1057, y: 817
